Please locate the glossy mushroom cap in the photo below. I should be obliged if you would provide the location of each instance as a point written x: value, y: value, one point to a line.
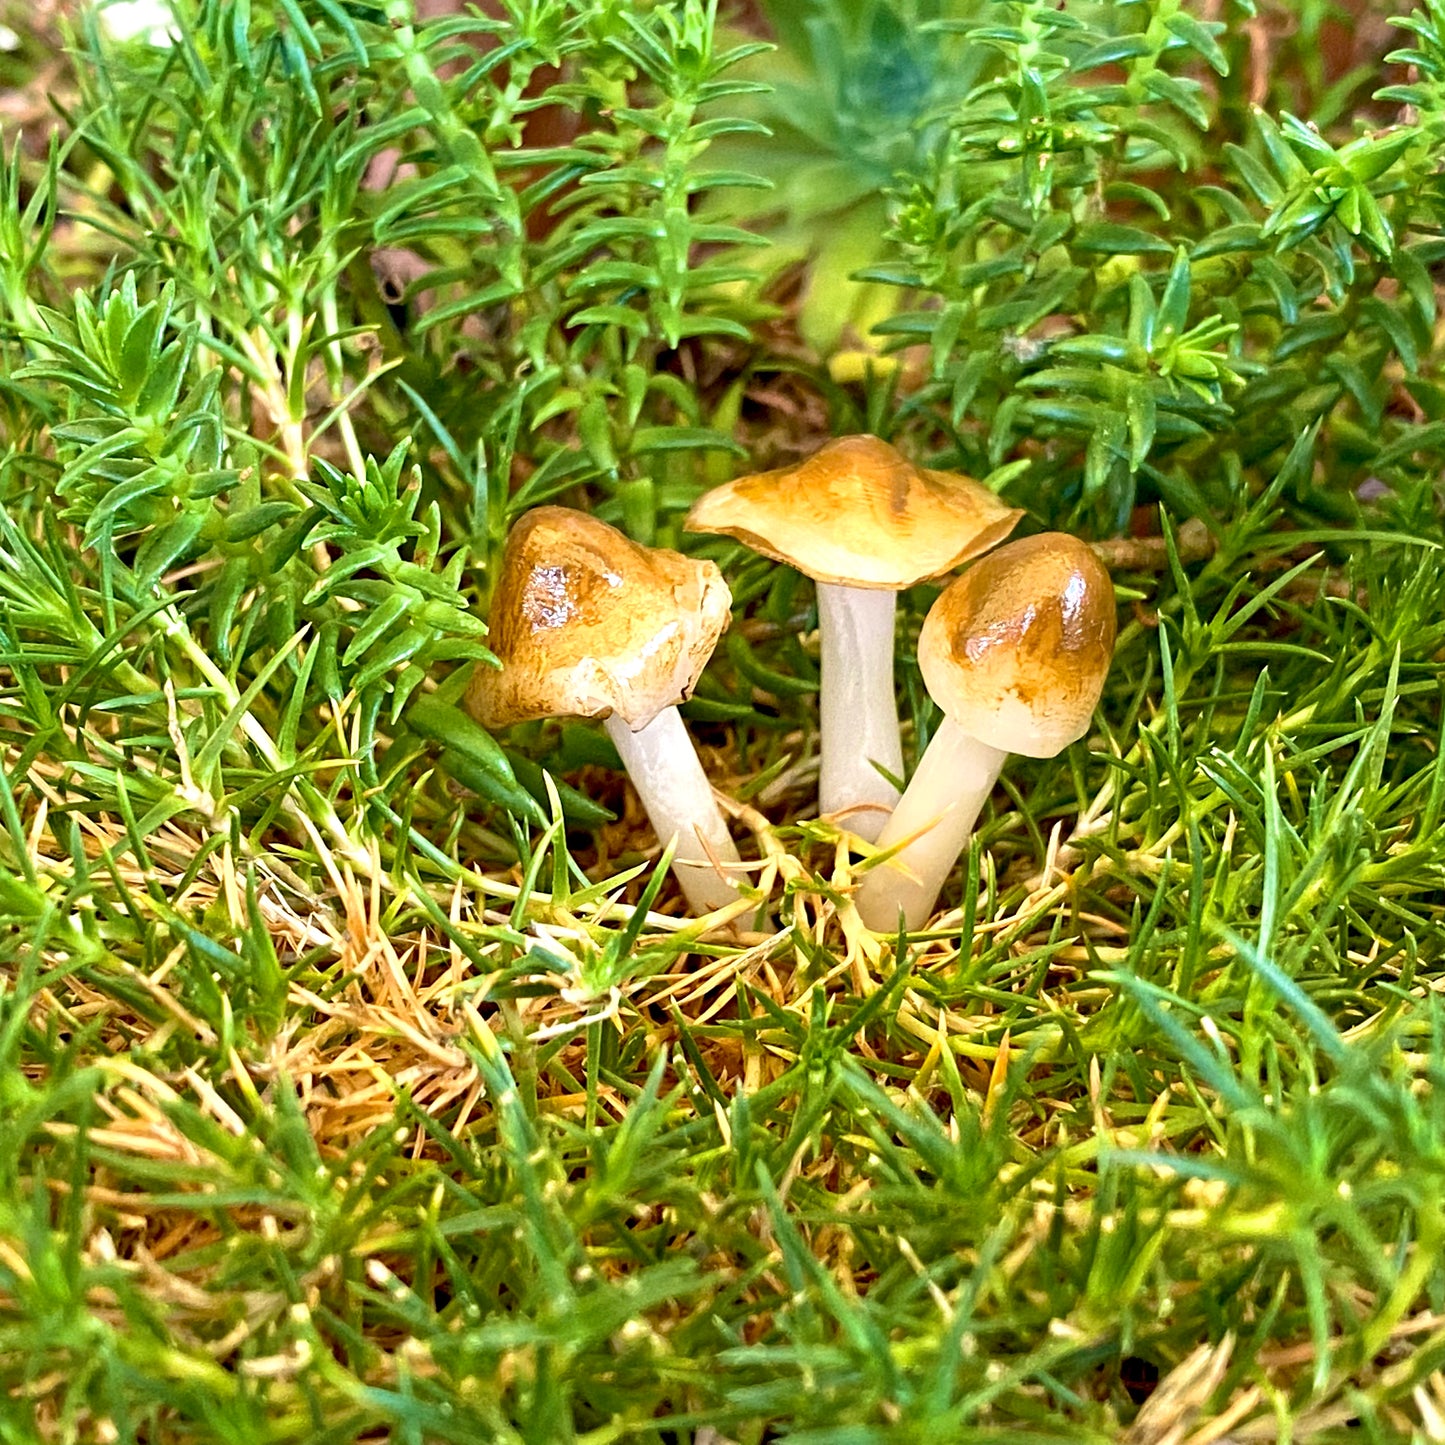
x: 860, y: 514
x: 587, y: 623
x: 1016, y: 650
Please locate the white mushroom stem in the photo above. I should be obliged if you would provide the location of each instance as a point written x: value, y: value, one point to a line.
x: 662, y: 763
x: 857, y: 706
x: 941, y: 804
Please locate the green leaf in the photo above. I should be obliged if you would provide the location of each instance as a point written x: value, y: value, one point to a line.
x: 1092, y: 348
x: 378, y: 621
x: 1417, y: 281
x: 616, y: 316
x: 252, y: 521
x: 1139, y: 409
x: 462, y: 735
x: 1112, y: 239
x: 1267, y: 190
x: 1368, y: 158
x: 594, y: 426
x: 1107, y: 445
x: 1397, y: 328
x: 168, y: 544
x: 401, y: 648
x: 682, y: 438
x: 1174, y: 304
x: 577, y: 807
x: 1184, y: 95
x: 1199, y: 36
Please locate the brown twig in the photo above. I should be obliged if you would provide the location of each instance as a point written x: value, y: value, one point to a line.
x: 1194, y: 542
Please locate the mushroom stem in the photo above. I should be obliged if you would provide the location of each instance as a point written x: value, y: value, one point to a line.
x: 857, y: 706
x: 956, y: 767
x: 662, y: 763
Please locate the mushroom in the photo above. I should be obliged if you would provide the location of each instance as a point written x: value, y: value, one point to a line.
x: 864, y: 523
x: 589, y: 624
x: 1015, y: 652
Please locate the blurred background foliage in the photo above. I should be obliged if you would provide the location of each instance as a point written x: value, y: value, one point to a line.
x: 1103, y: 243
x: 556, y: 282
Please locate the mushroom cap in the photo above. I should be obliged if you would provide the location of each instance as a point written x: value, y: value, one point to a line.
x: 1015, y: 651
x: 586, y: 623
x: 859, y: 514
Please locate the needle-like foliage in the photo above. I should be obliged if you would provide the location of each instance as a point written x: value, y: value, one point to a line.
x: 360, y: 1076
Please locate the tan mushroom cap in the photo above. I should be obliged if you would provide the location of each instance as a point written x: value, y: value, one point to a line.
x: 1016, y: 650
x: 858, y: 513
x: 587, y: 623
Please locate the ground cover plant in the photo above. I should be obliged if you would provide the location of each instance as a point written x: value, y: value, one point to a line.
x: 361, y: 1075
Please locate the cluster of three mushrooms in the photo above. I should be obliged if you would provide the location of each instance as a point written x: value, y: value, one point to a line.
x: 589, y: 624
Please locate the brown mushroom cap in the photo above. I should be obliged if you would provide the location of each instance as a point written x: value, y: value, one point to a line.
x: 1016, y: 650
x: 860, y: 514
x: 587, y: 623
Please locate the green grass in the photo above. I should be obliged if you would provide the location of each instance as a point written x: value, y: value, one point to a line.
x: 360, y: 1081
